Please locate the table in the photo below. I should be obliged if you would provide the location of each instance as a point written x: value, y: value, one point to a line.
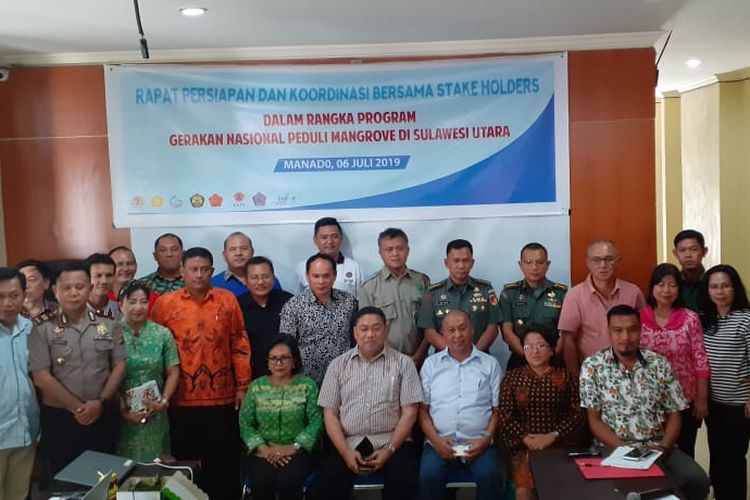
x: 556, y: 476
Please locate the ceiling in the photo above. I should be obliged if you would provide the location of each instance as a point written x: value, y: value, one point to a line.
x: 43, y: 32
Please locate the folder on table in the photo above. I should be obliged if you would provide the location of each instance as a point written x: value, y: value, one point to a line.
x: 591, y: 468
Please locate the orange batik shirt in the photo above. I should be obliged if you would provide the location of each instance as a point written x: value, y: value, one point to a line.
x: 213, y: 346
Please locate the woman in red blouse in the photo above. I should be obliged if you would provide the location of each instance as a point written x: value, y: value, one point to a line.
x: 675, y: 332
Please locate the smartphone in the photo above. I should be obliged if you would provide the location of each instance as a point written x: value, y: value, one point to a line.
x: 638, y: 454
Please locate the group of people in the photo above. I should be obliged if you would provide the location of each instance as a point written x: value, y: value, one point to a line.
x: 337, y: 378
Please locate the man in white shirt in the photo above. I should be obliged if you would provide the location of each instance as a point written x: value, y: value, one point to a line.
x: 461, y: 387
x: 328, y: 237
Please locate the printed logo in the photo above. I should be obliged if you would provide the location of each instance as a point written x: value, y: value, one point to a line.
x: 197, y: 200
x: 175, y: 201
x: 239, y: 197
x: 137, y: 202
x: 157, y: 201
x: 215, y: 200
x: 259, y: 200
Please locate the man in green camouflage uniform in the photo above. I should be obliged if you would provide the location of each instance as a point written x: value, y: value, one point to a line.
x: 532, y: 300
x: 460, y: 291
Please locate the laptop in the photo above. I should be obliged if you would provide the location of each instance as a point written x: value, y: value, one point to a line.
x: 88, y: 467
x: 100, y: 491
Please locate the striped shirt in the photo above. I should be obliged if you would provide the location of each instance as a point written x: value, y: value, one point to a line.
x: 728, y: 347
x: 369, y: 395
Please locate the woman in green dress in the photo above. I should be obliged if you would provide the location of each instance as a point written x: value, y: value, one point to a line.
x: 280, y: 422
x: 152, y: 356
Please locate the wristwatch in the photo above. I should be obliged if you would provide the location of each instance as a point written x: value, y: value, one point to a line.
x: 296, y: 445
x: 388, y: 446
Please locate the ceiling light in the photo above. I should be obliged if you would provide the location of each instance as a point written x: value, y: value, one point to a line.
x: 193, y: 11
x: 693, y: 63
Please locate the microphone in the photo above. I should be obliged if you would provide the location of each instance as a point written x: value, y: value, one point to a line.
x: 650, y: 494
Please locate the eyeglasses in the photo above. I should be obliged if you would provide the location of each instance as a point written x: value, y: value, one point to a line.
x: 607, y: 261
x: 535, y: 347
x: 279, y: 360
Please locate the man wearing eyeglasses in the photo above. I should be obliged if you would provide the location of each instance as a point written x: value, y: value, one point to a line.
x: 583, y: 319
x: 261, y: 306
x: 532, y: 300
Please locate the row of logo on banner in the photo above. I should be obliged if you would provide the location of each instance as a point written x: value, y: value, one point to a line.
x: 214, y: 201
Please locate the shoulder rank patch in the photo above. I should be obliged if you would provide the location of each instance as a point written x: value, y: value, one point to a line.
x: 43, y: 317
x: 515, y: 284
x: 560, y: 286
x: 483, y: 282
x: 435, y: 286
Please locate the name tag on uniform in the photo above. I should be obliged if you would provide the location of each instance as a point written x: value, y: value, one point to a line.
x: 59, y: 342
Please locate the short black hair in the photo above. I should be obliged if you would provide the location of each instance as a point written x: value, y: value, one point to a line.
x: 622, y: 310
x: 291, y: 343
x: 193, y: 252
x: 534, y: 246
x: 259, y: 259
x: 99, y: 258
x: 369, y: 310
x: 458, y: 245
x: 392, y: 232
x: 8, y: 273
x: 659, y: 273
x: 547, y: 333
x: 72, y: 266
x: 40, y: 266
x: 167, y: 235
x: 132, y: 287
x: 317, y: 256
x: 690, y: 234
x: 327, y: 221
x: 118, y: 248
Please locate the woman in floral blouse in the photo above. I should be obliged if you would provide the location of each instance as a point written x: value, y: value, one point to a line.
x: 280, y: 422
x: 539, y: 407
x: 675, y: 332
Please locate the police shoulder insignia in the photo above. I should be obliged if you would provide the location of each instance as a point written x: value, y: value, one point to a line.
x: 44, y: 317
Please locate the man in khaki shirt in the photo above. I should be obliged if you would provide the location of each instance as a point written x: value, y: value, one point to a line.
x: 397, y: 291
x: 77, y: 360
x: 370, y: 397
